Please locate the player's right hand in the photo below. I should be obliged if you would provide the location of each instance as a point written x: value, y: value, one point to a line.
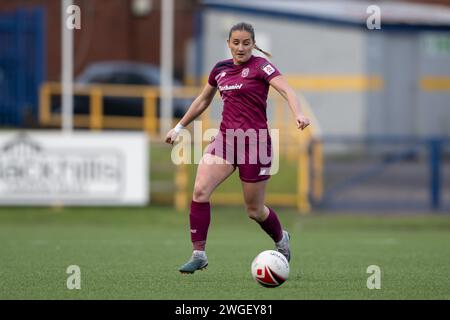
x: 171, y: 136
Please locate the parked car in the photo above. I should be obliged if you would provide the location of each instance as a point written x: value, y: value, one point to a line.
x: 124, y: 73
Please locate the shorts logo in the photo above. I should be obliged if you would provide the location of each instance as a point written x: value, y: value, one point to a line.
x: 268, y: 69
x: 245, y: 72
x: 264, y: 171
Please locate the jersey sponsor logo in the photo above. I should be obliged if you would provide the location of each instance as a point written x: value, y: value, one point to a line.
x: 220, y: 75
x: 245, y: 72
x: 233, y: 87
x: 268, y: 69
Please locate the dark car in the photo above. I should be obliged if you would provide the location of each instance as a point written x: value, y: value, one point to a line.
x: 124, y: 73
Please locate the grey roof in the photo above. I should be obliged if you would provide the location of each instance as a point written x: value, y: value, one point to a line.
x: 343, y: 11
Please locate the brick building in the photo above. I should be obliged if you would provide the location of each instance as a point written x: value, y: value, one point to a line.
x: 111, y: 30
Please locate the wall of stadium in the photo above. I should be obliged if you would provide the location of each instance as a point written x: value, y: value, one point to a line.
x: 358, y: 82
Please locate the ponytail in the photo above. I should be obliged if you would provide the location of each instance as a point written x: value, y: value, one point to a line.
x: 267, y: 54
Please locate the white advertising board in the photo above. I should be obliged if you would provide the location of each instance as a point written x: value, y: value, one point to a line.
x: 83, y: 168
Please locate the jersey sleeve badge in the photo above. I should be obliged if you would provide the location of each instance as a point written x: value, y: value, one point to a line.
x: 268, y: 69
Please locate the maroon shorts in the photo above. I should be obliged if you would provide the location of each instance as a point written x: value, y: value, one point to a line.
x: 252, y: 156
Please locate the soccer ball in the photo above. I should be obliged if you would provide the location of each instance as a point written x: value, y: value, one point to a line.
x: 270, y: 268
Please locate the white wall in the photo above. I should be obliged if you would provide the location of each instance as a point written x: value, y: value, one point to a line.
x: 301, y: 49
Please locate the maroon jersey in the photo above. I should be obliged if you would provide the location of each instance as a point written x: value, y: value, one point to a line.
x: 244, y: 90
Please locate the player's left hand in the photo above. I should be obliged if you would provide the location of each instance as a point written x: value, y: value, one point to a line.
x: 302, y: 122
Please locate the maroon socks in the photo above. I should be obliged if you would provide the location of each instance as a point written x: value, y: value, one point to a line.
x: 272, y: 226
x: 200, y: 217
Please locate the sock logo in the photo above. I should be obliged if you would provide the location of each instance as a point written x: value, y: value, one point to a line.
x: 193, y: 230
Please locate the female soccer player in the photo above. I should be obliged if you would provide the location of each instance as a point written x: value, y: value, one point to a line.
x: 243, y: 82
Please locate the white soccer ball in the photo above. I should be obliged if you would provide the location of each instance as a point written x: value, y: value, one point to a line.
x: 270, y: 268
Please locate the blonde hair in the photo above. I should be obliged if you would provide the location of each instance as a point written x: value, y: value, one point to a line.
x: 243, y: 26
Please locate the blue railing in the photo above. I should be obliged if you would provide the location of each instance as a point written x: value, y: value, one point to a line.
x: 386, y: 172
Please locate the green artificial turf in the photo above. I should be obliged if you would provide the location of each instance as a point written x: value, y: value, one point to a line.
x: 127, y: 253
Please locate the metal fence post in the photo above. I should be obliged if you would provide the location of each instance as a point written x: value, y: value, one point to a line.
x: 96, y: 106
x: 317, y: 170
x: 435, y: 145
x: 303, y: 186
x: 150, y: 117
x: 181, y: 187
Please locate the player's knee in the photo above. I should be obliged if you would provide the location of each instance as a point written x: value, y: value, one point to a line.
x: 200, y: 193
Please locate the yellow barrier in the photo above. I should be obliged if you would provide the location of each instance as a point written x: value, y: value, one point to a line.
x: 295, y: 145
x: 317, y: 171
x: 351, y: 83
x: 434, y: 83
x: 181, y: 196
x: 96, y: 119
x: 328, y: 82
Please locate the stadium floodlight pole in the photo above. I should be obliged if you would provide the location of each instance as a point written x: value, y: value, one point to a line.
x: 66, y: 69
x: 167, y: 21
